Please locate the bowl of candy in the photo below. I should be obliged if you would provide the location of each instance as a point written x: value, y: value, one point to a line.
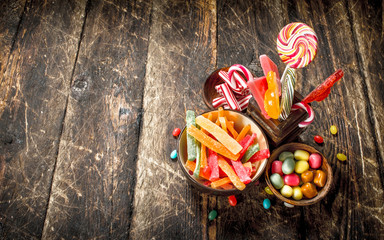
x: 222, y: 152
x: 298, y: 174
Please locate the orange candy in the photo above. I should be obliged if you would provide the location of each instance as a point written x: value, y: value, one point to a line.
x: 271, y: 98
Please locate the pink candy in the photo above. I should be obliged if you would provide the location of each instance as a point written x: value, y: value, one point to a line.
x: 277, y: 167
x: 308, y: 109
x: 314, y: 160
x: 291, y: 179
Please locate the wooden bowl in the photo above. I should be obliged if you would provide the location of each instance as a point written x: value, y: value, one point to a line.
x: 291, y: 147
x: 240, y: 121
x: 209, y: 91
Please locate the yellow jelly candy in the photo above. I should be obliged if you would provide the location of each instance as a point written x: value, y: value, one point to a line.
x: 286, y: 191
x: 268, y: 190
x: 333, y: 129
x: 297, y: 194
x: 301, y: 166
x: 301, y: 155
x: 341, y: 157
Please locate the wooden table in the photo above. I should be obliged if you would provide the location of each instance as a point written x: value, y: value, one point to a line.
x: 91, y: 91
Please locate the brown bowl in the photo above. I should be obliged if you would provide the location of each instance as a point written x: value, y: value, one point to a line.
x: 291, y: 147
x: 240, y: 121
x: 209, y: 91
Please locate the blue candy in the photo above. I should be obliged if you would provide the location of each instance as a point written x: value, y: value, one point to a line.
x: 174, y: 154
x: 266, y: 203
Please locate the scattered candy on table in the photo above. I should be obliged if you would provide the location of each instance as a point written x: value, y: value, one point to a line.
x: 174, y: 154
x: 318, y: 139
x: 333, y: 129
x: 268, y: 190
x: 341, y: 157
x: 212, y: 215
x: 176, y: 132
x: 266, y: 203
x: 232, y: 200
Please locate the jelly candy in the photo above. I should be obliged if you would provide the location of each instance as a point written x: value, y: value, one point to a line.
x: 333, y: 129
x: 266, y: 203
x: 260, y: 155
x: 268, y: 65
x: 268, y: 190
x: 291, y: 179
x: 232, y: 200
x: 276, y: 167
x: 309, y: 190
x: 288, y: 166
x: 212, y: 215
x: 307, y: 176
x: 315, y: 160
x: 323, y: 90
x: 191, y: 141
x: 320, y: 178
x: 176, y: 132
x: 258, y: 87
x: 319, y: 139
x: 250, y: 152
x: 301, y: 166
x: 271, y: 98
x: 301, y: 155
x: 285, y: 155
x: 288, y: 205
x: 286, y: 191
x: 297, y: 194
x: 341, y: 157
x: 174, y: 154
x: 276, y: 180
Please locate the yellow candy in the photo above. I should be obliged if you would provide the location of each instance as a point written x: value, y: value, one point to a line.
x: 341, y: 157
x: 271, y: 97
x: 268, y: 190
x: 286, y: 191
x: 333, y: 129
x: 301, y: 155
x: 301, y: 166
x: 297, y: 194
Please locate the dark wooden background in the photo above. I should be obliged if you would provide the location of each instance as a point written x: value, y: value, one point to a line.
x: 90, y: 92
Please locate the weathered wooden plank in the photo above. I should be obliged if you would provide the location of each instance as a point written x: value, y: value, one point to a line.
x: 181, y: 56
x: 92, y: 188
x: 38, y: 75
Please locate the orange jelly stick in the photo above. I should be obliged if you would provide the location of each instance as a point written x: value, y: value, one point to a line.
x: 203, y: 156
x: 223, y: 123
x: 224, y: 165
x: 224, y: 138
x: 243, y: 132
x: 221, y: 112
x: 231, y: 129
x: 211, y: 143
x: 220, y: 182
x: 227, y: 186
x: 191, y: 165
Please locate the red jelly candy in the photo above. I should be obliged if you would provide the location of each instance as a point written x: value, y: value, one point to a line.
x: 292, y: 179
x: 176, y: 132
x: 318, y: 139
x: 260, y: 155
x: 277, y: 167
x: 232, y: 200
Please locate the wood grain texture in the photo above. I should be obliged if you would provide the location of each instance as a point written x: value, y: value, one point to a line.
x: 92, y: 188
x: 181, y: 55
x: 38, y: 74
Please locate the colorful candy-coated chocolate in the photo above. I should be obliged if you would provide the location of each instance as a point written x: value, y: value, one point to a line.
x: 271, y: 97
x: 288, y: 166
x: 276, y: 167
x: 307, y: 176
x: 320, y: 178
x: 176, y: 132
x: 315, y: 160
x: 341, y: 157
x: 297, y: 194
x: 333, y: 129
x: 288, y: 205
x: 309, y: 190
x: 286, y: 191
x: 291, y: 179
x: 285, y: 155
x: 301, y: 155
x: 268, y: 190
x: 276, y: 180
x: 318, y: 139
x: 266, y: 203
x: 212, y: 215
x: 174, y: 154
x: 301, y: 166
x: 232, y: 200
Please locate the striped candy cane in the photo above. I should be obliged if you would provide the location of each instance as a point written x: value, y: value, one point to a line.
x: 308, y: 109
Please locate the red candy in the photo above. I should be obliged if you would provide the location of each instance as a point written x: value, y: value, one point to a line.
x: 260, y: 155
x: 232, y: 200
x: 292, y: 179
x: 277, y: 167
x: 318, y: 139
x: 176, y: 132
x: 314, y: 160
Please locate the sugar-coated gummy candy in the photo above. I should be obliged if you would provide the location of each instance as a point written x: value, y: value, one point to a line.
x: 276, y: 167
x: 276, y: 180
x: 318, y: 139
x: 266, y: 203
x: 232, y: 200
x: 341, y: 157
x: 286, y: 191
x: 291, y: 179
x: 315, y: 160
x: 333, y: 129
x: 285, y: 155
x: 176, y: 132
x: 297, y: 194
x: 288, y: 166
x: 212, y: 215
x: 268, y: 190
x: 307, y: 176
x: 301, y: 166
x: 301, y: 155
x: 288, y: 205
x: 174, y: 154
x: 320, y: 178
x: 309, y: 190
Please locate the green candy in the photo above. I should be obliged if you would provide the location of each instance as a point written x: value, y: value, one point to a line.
x: 196, y: 172
x: 191, y: 141
x: 250, y: 152
x: 212, y: 215
x: 285, y: 155
x: 288, y: 166
x: 276, y: 180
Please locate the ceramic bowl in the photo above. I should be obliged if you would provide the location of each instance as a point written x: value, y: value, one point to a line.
x: 240, y: 121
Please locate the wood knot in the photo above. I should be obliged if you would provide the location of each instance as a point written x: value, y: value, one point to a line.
x: 80, y: 85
